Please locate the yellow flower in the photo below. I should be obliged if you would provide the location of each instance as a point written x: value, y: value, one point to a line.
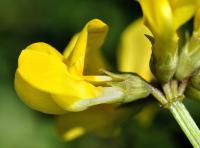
x: 133, y: 56
x: 53, y: 83
x: 163, y: 18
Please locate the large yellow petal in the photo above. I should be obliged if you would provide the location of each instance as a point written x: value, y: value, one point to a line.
x: 135, y: 50
x: 45, y: 48
x: 86, y: 44
x: 47, y: 73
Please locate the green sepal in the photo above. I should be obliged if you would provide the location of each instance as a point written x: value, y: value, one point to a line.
x: 132, y: 85
x: 164, y: 58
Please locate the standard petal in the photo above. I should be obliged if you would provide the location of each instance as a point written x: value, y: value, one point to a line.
x: 135, y: 50
x: 86, y: 44
x: 45, y: 48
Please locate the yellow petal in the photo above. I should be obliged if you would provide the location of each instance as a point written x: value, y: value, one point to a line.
x: 86, y: 43
x: 47, y: 73
x: 135, y: 50
x: 45, y: 48
x: 68, y: 50
x: 183, y: 10
x: 158, y: 16
x: 35, y: 98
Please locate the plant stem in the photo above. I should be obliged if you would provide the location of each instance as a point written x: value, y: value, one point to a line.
x: 186, y: 122
x: 171, y: 98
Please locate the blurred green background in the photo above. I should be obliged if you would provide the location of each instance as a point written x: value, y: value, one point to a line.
x: 27, y: 21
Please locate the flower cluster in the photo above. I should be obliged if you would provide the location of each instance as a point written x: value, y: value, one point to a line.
x: 71, y: 86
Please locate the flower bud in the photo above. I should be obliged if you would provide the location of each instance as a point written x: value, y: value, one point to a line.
x: 189, y: 58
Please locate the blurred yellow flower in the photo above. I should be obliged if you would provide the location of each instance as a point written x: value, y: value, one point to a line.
x: 134, y: 51
x: 53, y: 83
x: 74, y: 124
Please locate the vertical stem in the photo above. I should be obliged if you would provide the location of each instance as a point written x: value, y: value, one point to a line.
x: 171, y: 100
x: 186, y: 122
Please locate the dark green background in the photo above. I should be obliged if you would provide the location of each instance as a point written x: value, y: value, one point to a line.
x: 27, y: 21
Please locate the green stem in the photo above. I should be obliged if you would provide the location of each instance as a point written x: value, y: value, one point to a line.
x: 171, y: 98
x: 167, y: 91
x: 174, y: 88
x: 186, y: 122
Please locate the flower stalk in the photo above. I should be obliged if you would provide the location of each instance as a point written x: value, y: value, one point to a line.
x: 171, y: 98
x: 186, y: 122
